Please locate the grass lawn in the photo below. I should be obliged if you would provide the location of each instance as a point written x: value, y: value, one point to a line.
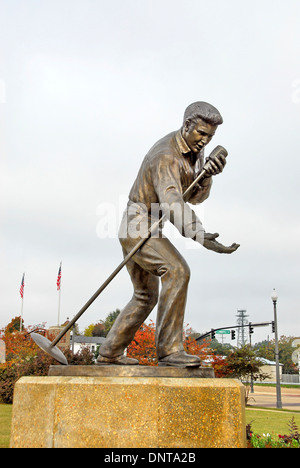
x: 270, y: 421
x: 5, y: 421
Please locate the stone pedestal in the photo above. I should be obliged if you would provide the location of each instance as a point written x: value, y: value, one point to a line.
x: 132, y: 371
x: 128, y: 412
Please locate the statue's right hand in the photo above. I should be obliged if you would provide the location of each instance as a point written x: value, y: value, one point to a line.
x: 210, y: 243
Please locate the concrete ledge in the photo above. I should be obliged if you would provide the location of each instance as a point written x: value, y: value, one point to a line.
x: 132, y: 371
x: 127, y: 412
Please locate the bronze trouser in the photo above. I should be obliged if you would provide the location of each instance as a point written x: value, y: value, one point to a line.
x: 157, y: 258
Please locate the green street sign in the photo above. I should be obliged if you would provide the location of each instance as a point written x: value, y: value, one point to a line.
x: 222, y: 332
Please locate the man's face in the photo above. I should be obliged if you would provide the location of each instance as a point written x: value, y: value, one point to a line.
x: 197, y: 134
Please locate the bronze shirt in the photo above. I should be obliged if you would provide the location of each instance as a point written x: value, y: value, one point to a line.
x: 166, y: 172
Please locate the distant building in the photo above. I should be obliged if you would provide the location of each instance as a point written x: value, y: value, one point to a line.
x: 53, y: 332
x: 90, y: 342
x: 269, y: 368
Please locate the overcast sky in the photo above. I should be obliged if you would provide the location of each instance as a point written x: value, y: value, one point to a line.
x: 86, y: 88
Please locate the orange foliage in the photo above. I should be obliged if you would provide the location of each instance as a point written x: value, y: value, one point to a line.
x: 192, y: 346
x: 19, y: 345
x: 24, y: 357
x: 143, y: 345
x: 219, y: 366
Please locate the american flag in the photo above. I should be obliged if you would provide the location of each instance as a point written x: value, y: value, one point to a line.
x: 22, y: 286
x: 58, y: 278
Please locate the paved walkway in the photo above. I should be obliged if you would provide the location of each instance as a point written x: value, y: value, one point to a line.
x: 266, y: 396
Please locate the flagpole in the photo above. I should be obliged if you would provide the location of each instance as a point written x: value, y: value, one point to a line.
x: 21, y: 320
x: 58, y: 315
x: 22, y: 303
x: 58, y: 283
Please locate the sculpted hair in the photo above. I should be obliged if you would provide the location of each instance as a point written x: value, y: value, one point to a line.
x: 204, y: 111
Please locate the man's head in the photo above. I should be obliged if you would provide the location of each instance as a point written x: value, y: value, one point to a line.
x: 199, y: 124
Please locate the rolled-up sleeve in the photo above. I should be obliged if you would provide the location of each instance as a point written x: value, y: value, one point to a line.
x: 201, y: 192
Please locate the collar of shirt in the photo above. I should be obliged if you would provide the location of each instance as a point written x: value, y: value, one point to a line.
x: 182, y: 144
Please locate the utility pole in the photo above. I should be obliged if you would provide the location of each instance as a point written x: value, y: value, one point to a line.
x: 242, y: 322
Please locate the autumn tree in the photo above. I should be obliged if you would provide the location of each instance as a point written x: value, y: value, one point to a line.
x: 192, y: 346
x: 18, y: 344
x: 143, y: 347
x: 14, y: 325
x: 102, y: 327
x: 241, y: 363
x: 266, y: 349
x: 88, y: 330
x: 99, y: 329
x: 24, y: 357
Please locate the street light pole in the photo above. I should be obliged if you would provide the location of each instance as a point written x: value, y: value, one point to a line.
x: 278, y: 388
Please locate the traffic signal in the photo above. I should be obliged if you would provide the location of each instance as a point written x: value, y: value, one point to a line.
x: 233, y: 334
x: 212, y: 333
x: 273, y: 326
x: 250, y: 328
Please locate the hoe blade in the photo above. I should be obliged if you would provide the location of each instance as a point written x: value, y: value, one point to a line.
x: 45, y: 345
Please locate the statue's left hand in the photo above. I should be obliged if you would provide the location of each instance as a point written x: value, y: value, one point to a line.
x: 210, y: 243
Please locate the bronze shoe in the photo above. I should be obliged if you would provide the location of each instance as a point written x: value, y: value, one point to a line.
x: 117, y: 361
x: 180, y: 359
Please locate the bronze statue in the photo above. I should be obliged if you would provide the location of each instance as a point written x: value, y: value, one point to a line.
x: 168, y: 169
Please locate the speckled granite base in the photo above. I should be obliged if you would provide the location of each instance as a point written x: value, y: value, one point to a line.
x: 127, y: 412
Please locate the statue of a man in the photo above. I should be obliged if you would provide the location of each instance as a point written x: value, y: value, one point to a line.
x: 168, y: 169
